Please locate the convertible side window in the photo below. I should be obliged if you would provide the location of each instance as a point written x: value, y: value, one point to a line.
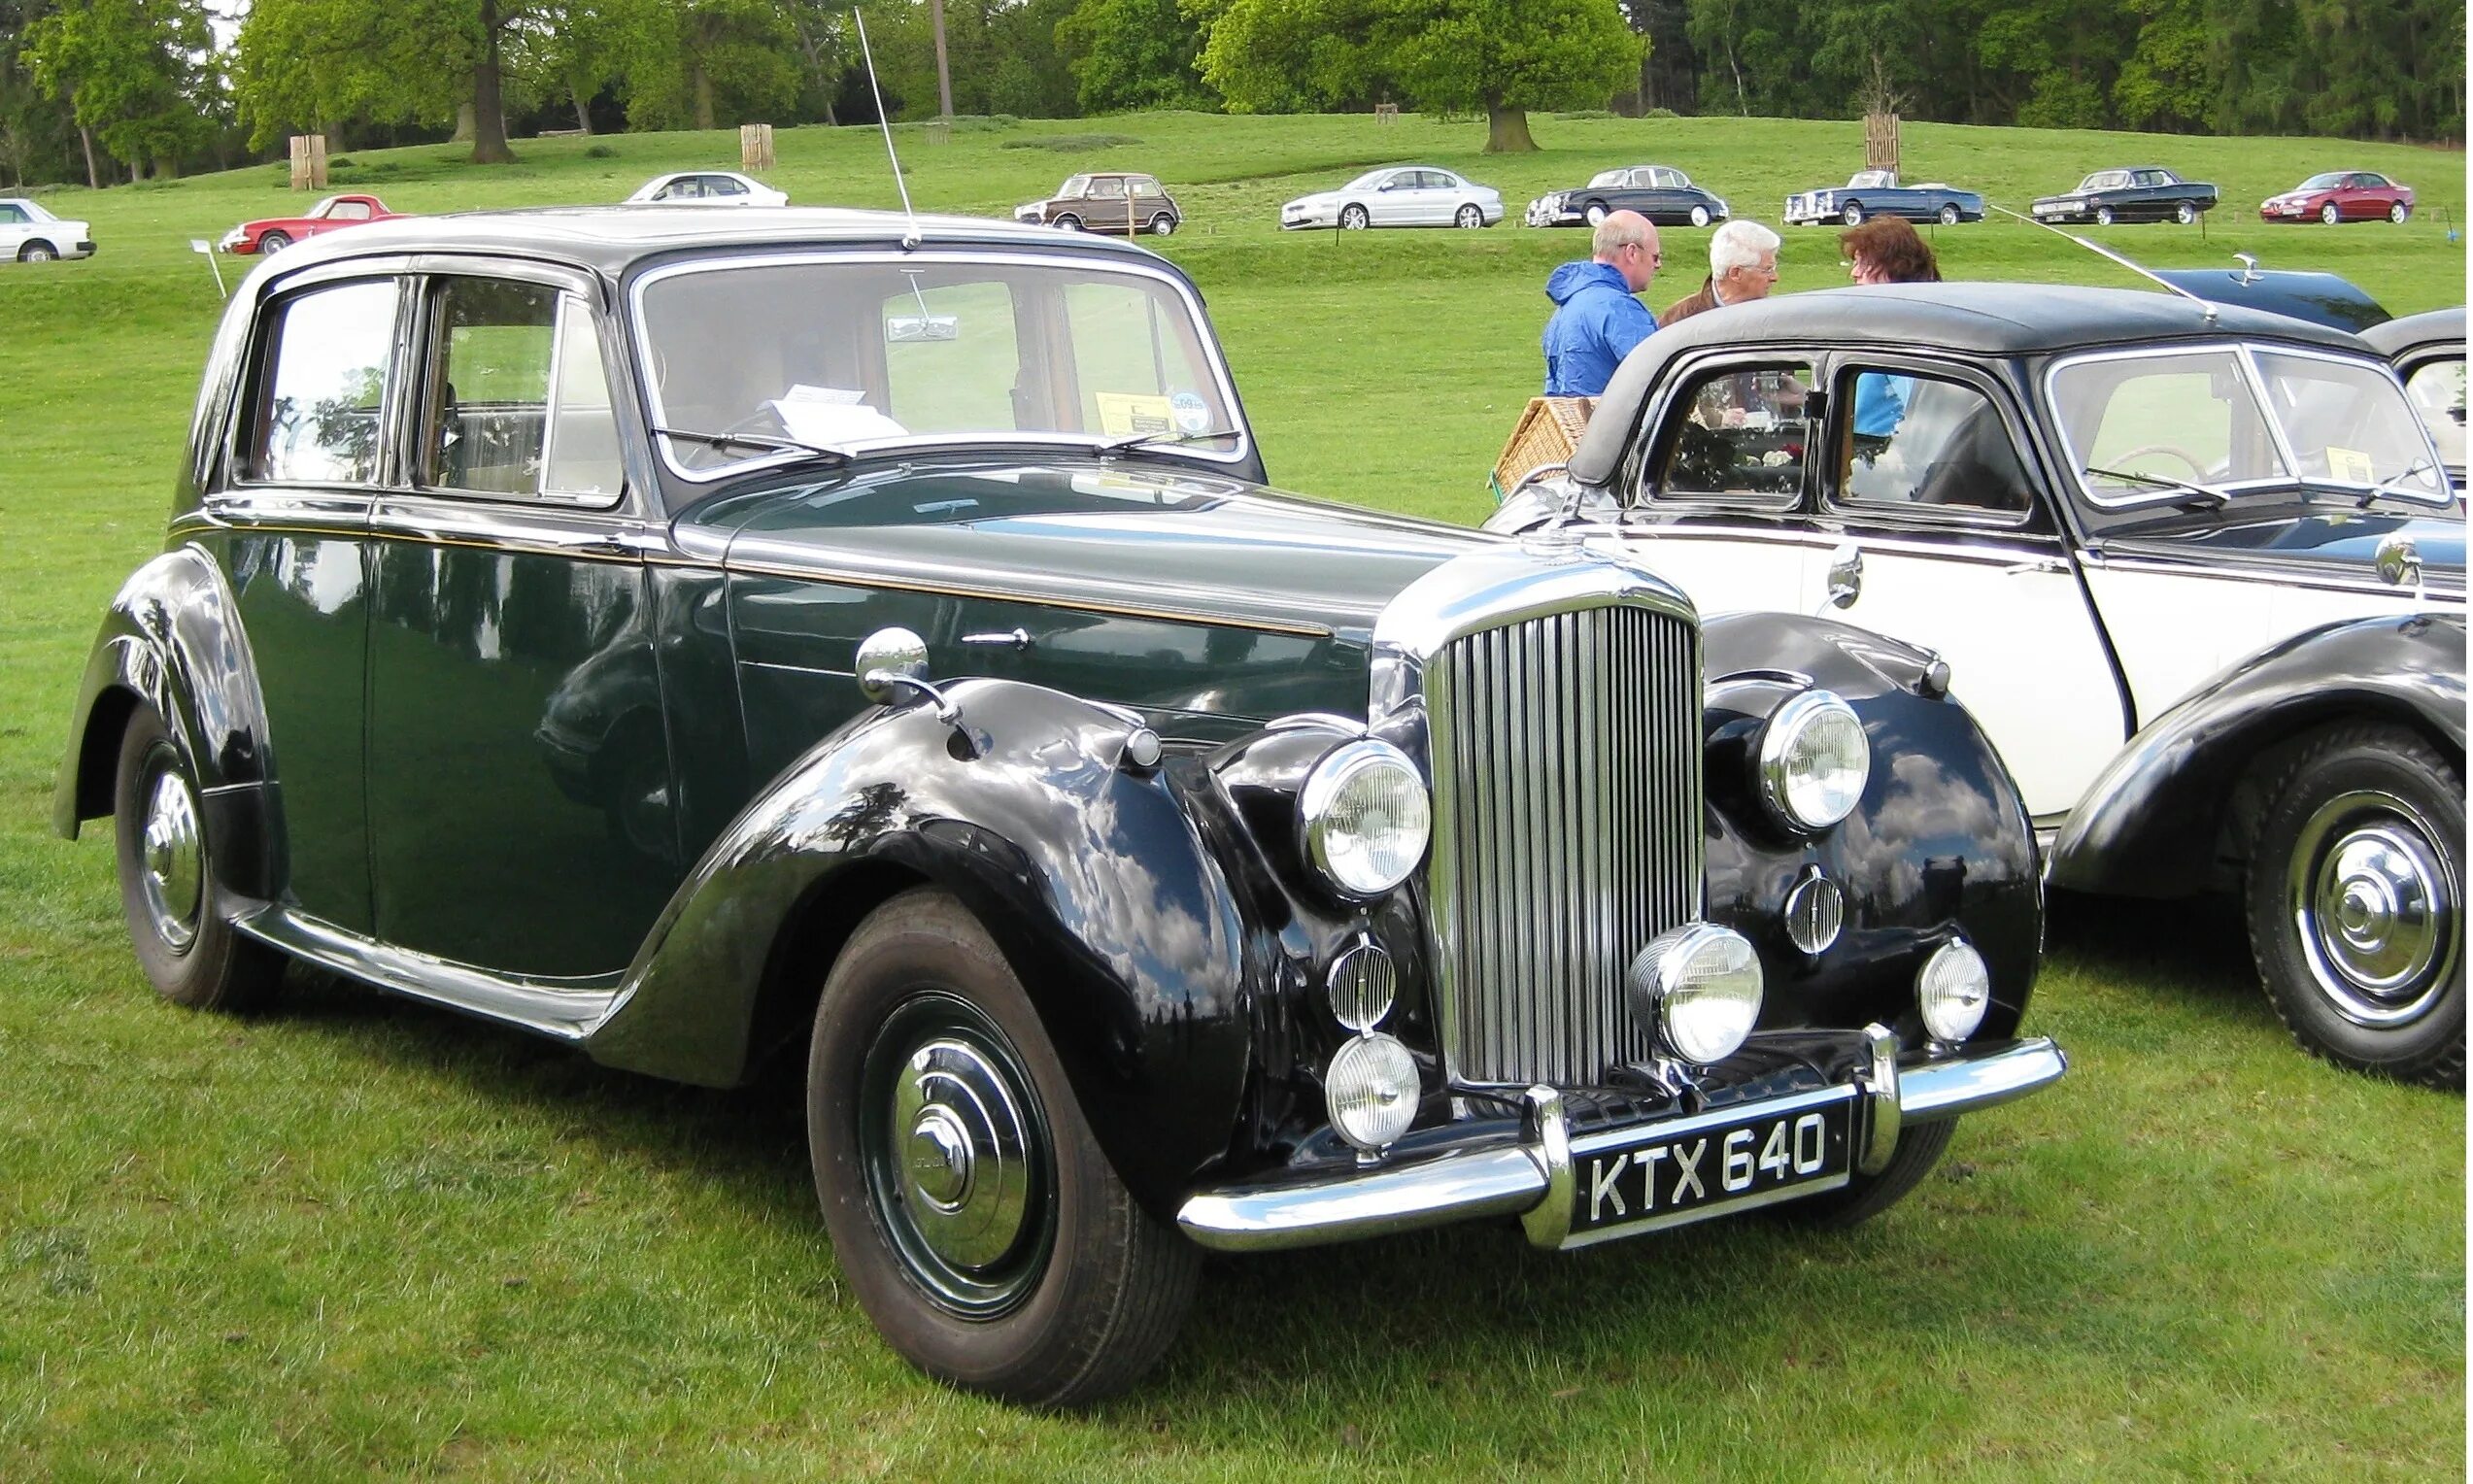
x: 519, y: 404
x: 1738, y: 434
x: 1919, y: 440
x: 316, y: 416
x: 2437, y: 389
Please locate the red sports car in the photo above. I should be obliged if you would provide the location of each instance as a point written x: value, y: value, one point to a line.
x: 2341, y: 195
x: 275, y: 233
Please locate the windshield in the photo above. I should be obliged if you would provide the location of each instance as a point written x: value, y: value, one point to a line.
x: 2238, y: 419
x: 842, y: 352
x: 2327, y: 181
x: 1609, y: 178
x: 1368, y: 181
x: 1072, y: 187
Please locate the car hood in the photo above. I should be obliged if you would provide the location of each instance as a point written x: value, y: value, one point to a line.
x: 1317, y: 199
x: 1141, y: 536
x: 2328, y: 542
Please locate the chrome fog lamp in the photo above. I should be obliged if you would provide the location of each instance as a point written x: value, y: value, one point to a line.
x: 1699, y: 987
x: 1363, y: 982
x: 1370, y: 1091
x: 1814, y: 760
x: 1366, y: 816
x: 1954, y: 990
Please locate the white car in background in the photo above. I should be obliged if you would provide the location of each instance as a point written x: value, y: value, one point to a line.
x: 1398, y: 195
x: 32, y: 235
x: 709, y: 188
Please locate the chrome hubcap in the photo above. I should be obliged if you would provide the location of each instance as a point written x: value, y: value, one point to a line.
x: 2375, y: 901
x: 172, y: 860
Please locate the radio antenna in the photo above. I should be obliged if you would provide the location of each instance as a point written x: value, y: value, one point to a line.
x: 910, y: 237
x: 2205, y: 307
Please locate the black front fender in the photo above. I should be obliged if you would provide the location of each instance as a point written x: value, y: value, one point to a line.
x: 2152, y: 822
x: 1091, y: 874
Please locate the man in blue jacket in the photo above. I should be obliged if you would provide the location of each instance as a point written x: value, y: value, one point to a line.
x: 1596, y: 320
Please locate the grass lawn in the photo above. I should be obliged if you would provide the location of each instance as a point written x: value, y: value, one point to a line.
x: 360, y: 1237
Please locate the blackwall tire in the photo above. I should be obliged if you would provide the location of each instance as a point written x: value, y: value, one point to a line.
x: 1919, y: 1148
x: 2103, y: 216
x: 166, y: 868
x: 273, y: 242
x: 978, y: 1221
x: 1469, y: 218
x: 2355, y: 902
x: 1950, y: 214
x: 1163, y: 224
x: 1353, y: 219
x: 38, y: 252
x: 2329, y: 216
x: 2187, y: 213
x: 2398, y: 212
x: 1852, y: 214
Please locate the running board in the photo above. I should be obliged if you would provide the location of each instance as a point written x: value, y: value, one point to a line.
x: 565, y: 1009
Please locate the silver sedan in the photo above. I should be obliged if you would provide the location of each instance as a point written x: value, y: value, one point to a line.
x: 1398, y: 195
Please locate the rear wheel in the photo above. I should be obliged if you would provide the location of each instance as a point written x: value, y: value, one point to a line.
x: 981, y: 1226
x: 1864, y: 1197
x: 1469, y: 216
x: 1163, y: 224
x: 2329, y: 214
x: 167, y: 880
x: 37, y: 251
x: 1853, y: 215
x: 2357, y: 906
x: 2398, y: 212
x: 1950, y: 214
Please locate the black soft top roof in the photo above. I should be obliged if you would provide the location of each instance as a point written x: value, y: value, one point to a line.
x: 1994, y: 319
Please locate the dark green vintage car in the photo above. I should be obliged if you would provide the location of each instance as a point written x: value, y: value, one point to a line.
x: 704, y: 637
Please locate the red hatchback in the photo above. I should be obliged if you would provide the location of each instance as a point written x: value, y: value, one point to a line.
x: 2341, y: 195
x: 275, y: 233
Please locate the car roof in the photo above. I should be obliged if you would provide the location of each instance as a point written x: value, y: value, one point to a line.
x: 1996, y: 320
x: 2437, y: 326
x: 612, y: 238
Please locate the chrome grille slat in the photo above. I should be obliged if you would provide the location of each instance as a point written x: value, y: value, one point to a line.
x: 1566, y: 752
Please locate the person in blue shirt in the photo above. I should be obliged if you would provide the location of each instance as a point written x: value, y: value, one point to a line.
x: 1597, y: 319
x: 1886, y: 250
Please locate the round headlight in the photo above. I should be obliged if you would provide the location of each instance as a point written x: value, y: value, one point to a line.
x: 1699, y: 987
x: 1366, y: 816
x: 1362, y: 983
x: 1814, y: 760
x: 1955, y: 989
x: 1371, y: 1091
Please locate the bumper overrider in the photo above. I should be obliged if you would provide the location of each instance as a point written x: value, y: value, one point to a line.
x: 1576, y: 1176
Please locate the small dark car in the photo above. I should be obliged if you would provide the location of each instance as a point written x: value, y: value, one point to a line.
x: 1662, y: 193
x: 2341, y: 195
x: 2194, y: 567
x: 703, y: 638
x: 1878, y: 193
x: 2137, y: 193
x: 1107, y: 201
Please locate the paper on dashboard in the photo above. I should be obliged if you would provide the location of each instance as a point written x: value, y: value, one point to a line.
x: 830, y: 417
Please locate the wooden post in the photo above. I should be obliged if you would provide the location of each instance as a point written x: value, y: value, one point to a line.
x: 755, y: 147
x: 1880, y: 142
x: 1386, y: 113
x: 309, y: 161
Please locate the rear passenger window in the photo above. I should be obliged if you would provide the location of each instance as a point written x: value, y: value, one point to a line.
x: 318, y: 415
x: 519, y: 404
x: 1916, y: 440
x: 1741, y: 435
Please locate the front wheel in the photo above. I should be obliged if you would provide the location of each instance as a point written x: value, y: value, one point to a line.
x: 2103, y: 216
x: 37, y: 251
x: 979, y: 1223
x: 1469, y: 216
x: 1864, y: 1197
x: 167, y: 880
x: 2328, y: 214
x: 1353, y: 219
x: 273, y: 242
x: 1596, y: 214
x: 1068, y: 223
x: 1853, y: 215
x: 2398, y: 212
x: 2355, y: 902
x: 1700, y: 216
x: 2186, y: 212
x: 1950, y: 214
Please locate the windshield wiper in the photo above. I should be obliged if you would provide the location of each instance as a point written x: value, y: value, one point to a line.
x: 2394, y: 486
x: 2204, y: 498
x: 1152, y: 440
x: 756, y: 441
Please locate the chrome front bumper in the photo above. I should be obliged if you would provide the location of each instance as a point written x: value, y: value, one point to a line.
x: 1530, y: 1176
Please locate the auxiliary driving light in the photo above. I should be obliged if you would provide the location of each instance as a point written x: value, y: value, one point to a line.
x: 1371, y: 1091
x: 1366, y: 817
x: 1699, y: 985
x: 1814, y: 760
x: 1955, y: 989
x: 1363, y: 982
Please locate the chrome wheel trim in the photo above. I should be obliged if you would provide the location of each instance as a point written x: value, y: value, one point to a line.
x: 960, y: 1168
x: 1595, y: 216
x: 1354, y: 220
x: 2377, y: 908
x: 172, y: 857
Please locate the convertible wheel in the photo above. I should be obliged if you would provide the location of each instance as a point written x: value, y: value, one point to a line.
x: 2398, y: 212
x: 167, y: 881
x: 1950, y: 214
x: 982, y: 1229
x: 1853, y: 215
x: 273, y: 242
x: 1163, y: 224
x: 1469, y: 216
x: 1353, y: 219
x: 2186, y: 212
x: 2103, y: 216
x: 1700, y: 216
x: 2356, y: 903
x: 1864, y: 1197
x: 2329, y: 214
x: 37, y: 253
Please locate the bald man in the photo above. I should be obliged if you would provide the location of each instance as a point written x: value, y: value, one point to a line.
x: 1597, y: 318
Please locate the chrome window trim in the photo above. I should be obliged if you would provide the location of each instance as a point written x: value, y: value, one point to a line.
x: 639, y: 339
x: 258, y: 361
x: 2245, y: 353
x: 569, y: 285
x: 1850, y: 365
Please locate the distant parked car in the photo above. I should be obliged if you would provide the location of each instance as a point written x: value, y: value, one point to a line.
x: 2428, y: 351
x: 1398, y: 195
x: 1662, y: 193
x: 2341, y: 195
x: 275, y: 233
x: 2137, y: 193
x: 1878, y: 193
x: 32, y: 235
x: 709, y: 188
x: 1107, y: 201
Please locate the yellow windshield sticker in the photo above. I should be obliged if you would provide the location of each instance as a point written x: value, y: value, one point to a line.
x: 2351, y: 464
x: 1133, y: 411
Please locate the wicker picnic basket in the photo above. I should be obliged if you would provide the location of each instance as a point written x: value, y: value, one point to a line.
x: 1548, y: 431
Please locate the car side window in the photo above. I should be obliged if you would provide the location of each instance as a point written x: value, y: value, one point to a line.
x: 724, y: 185
x: 349, y: 211
x: 518, y: 403
x: 1144, y: 186
x: 14, y: 216
x: 1112, y: 189
x: 2437, y: 390
x: 1737, y: 435
x: 1919, y: 440
x: 316, y: 419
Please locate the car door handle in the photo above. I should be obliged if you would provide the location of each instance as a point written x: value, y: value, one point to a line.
x: 1846, y: 577
x: 1016, y: 639
x: 626, y: 542
x: 2039, y: 564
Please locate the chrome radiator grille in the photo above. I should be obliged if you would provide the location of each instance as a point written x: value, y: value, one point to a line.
x: 1567, y: 773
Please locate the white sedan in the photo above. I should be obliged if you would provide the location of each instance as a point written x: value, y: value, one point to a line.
x: 709, y: 188
x: 32, y: 235
x: 1398, y: 195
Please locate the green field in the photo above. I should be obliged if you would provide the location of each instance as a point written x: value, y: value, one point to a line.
x: 359, y: 1236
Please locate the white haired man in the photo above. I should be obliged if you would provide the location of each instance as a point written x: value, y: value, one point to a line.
x: 1742, y: 266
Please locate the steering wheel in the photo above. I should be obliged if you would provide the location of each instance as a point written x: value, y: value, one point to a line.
x: 2122, y: 459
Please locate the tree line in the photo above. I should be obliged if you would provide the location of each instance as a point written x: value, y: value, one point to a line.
x: 102, y: 91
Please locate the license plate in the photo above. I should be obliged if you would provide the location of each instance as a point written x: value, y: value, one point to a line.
x: 1637, y: 1180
